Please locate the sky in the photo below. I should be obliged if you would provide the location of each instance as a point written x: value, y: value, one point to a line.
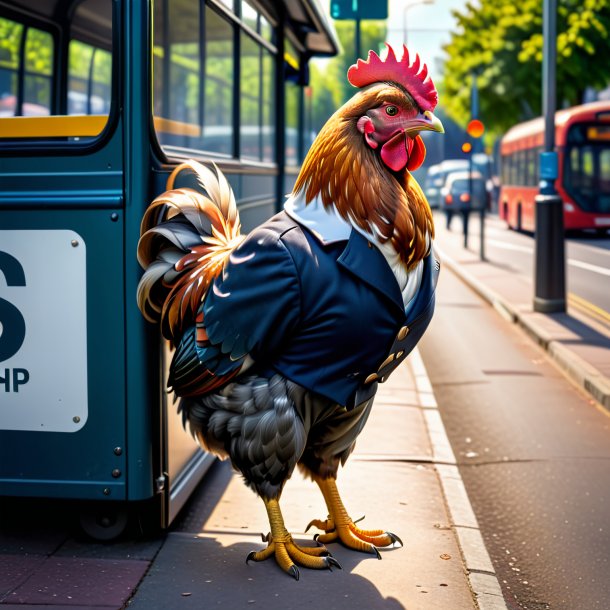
x: 428, y: 27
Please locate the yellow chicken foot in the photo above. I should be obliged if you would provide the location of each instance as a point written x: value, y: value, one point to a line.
x: 340, y: 526
x: 284, y: 549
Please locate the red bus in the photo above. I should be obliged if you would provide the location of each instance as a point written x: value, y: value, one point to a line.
x: 582, y: 140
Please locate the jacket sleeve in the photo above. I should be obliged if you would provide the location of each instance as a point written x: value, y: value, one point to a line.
x: 253, y: 307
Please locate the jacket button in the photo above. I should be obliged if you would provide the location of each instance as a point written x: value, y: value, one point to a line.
x: 403, y: 332
x: 387, y: 361
x: 372, y: 377
x: 400, y: 353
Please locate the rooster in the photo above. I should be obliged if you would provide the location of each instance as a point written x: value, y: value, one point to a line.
x: 282, y: 336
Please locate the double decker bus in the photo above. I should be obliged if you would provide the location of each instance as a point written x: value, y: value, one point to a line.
x: 582, y: 140
x: 99, y: 101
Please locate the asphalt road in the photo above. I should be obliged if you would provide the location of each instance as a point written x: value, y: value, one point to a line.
x: 534, y: 453
x: 587, y: 260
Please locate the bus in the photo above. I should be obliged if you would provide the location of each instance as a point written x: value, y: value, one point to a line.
x: 99, y: 101
x: 582, y: 140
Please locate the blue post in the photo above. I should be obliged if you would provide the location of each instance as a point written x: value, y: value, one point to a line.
x: 549, y: 272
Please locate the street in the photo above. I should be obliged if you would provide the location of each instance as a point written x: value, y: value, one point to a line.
x: 587, y: 261
x: 533, y: 450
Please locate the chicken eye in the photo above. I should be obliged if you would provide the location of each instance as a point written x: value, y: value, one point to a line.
x: 391, y: 110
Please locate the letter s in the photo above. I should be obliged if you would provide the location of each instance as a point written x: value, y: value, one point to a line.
x: 13, y: 324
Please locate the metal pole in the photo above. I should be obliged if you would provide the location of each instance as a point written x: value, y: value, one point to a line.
x: 474, y: 114
x: 549, y: 271
x: 358, y: 43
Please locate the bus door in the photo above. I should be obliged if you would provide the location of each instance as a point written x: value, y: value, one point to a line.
x: 64, y: 426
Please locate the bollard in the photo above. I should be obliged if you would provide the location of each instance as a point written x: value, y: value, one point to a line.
x: 549, y: 272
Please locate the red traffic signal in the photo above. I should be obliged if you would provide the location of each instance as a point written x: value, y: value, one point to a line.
x: 466, y: 147
x: 475, y: 128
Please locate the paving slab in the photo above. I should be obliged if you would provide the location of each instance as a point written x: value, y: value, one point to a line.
x: 72, y: 581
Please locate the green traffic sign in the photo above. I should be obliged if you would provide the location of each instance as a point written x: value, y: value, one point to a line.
x: 359, y: 9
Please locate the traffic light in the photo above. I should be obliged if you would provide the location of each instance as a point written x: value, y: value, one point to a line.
x: 475, y: 128
x: 467, y: 148
x: 359, y: 9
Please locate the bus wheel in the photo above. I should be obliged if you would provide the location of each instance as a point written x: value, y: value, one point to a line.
x: 103, y: 522
x: 505, y: 214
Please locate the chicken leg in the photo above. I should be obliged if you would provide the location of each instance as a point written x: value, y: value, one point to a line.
x: 286, y: 552
x: 340, y: 525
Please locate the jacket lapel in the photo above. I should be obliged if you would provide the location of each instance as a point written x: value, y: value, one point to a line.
x: 428, y: 286
x: 365, y: 261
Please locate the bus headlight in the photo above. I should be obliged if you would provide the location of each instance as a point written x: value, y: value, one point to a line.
x: 568, y: 207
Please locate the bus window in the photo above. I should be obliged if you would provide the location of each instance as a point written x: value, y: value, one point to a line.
x: 29, y: 87
x: 38, y: 72
x: 89, y: 79
x: 177, y: 68
x: 195, y: 82
x: 219, y: 71
x: 293, y: 104
x: 25, y: 90
x: 257, y: 95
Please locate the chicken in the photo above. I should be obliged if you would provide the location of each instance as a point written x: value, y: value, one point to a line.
x: 282, y: 336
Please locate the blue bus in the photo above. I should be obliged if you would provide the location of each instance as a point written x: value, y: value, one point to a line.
x: 99, y: 101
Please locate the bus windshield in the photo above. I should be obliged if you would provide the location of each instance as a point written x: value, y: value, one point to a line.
x: 587, y: 167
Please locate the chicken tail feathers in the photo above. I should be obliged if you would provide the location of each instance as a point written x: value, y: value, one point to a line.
x: 186, y: 238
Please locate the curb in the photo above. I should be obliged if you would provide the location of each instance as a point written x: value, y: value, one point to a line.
x: 580, y: 372
x: 479, y: 569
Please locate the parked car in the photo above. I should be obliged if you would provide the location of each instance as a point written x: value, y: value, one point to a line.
x: 437, y: 176
x: 463, y: 192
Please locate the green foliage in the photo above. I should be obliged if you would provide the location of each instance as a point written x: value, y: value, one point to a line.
x: 10, y: 39
x: 329, y: 76
x: 501, y: 42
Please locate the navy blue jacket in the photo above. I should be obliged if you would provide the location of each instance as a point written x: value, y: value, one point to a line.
x: 329, y: 317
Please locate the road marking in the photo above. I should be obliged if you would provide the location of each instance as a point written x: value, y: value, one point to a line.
x: 601, y: 315
x: 507, y: 246
x: 588, y: 267
x: 570, y: 261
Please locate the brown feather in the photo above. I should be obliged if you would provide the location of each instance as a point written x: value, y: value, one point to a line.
x: 188, y: 235
x: 346, y: 173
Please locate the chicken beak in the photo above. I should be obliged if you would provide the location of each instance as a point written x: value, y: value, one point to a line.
x: 424, y: 121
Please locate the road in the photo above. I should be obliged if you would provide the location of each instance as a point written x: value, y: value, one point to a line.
x: 534, y: 453
x: 587, y: 261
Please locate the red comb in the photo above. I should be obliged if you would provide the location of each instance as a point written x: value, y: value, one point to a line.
x: 413, y: 77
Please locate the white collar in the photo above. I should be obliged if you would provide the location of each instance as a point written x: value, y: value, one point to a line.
x: 323, y: 222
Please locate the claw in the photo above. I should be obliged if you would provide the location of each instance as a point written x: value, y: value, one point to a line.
x: 321, y: 525
x: 375, y: 551
x: 294, y: 571
x: 266, y: 537
x: 250, y: 556
x: 394, y: 538
x: 358, y: 520
x: 331, y: 561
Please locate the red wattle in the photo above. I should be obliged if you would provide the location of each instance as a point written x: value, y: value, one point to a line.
x: 417, y: 154
x: 396, y: 151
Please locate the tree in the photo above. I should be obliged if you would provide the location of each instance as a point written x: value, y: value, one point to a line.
x: 500, y: 42
x: 328, y: 79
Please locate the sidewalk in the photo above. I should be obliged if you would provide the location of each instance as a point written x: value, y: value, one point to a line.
x: 575, y: 344
x: 403, y: 476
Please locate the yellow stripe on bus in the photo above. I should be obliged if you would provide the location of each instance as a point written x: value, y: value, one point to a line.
x: 177, y: 128
x: 52, y: 126
x: 79, y: 126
